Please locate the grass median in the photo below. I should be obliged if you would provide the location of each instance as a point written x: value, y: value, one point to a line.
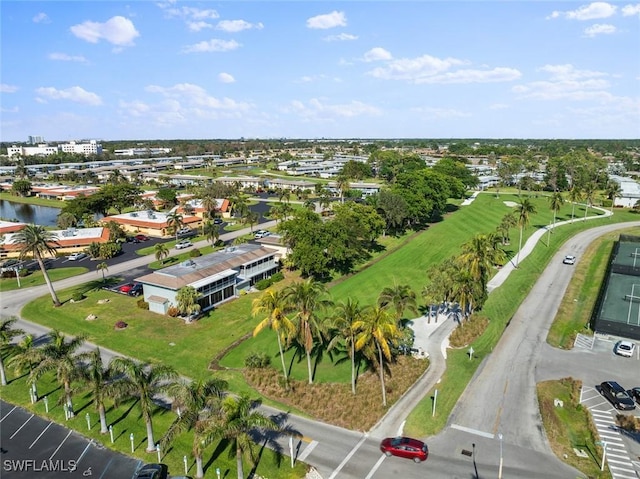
x: 36, y: 278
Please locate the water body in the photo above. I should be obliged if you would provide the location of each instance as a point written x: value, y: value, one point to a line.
x: 26, y: 213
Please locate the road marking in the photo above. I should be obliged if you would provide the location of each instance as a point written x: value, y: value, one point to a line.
x: 496, y: 425
x: 400, y: 429
x: 60, y: 445
x: 307, y: 450
x: 23, y: 425
x: 5, y: 417
x: 474, y: 431
x: 84, y: 452
x: 106, y: 468
x: 375, y: 467
x: 349, y: 456
x: 43, y: 431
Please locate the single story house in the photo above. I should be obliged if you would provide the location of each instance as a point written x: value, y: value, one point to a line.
x: 71, y: 240
x: 150, y: 223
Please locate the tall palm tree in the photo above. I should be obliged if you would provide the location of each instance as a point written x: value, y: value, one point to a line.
x: 22, y: 357
x: 252, y: 218
x: 307, y: 298
x: 344, y: 316
x: 142, y: 381
x: 274, y: 304
x: 211, y: 232
x: 7, y: 333
x: 161, y: 252
x: 239, y: 420
x: 575, y: 195
x: 98, y: 381
x: 175, y: 222
x: 62, y: 357
x: 613, y: 191
x: 187, y: 299
x: 589, y: 194
x: 37, y: 241
x: 556, y: 200
x: 465, y: 290
x: 508, y: 221
x: 342, y: 184
x: 524, y: 210
x: 480, y: 255
x: 198, y: 403
x: 209, y: 204
x: 400, y: 297
x: 377, y: 330
x: 102, y: 268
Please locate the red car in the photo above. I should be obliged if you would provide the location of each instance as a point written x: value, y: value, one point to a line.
x: 405, y: 447
x: 141, y: 237
x: 125, y: 288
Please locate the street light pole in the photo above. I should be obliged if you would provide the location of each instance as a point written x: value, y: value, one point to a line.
x: 500, y: 468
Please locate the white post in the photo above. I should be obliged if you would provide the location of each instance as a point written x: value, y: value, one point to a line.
x: 131, y: 439
x: 186, y: 469
x: 158, y: 451
x: 88, y: 421
x: 471, y: 351
x: 500, y: 468
x: 46, y: 404
x: 604, y: 454
x: 435, y: 399
x: 17, y: 275
x: 291, y: 449
x: 111, y: 433
x: 218, y: 472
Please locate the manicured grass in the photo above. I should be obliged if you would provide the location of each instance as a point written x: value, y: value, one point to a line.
x: 32, y: 200
x: 36, y: 278
x: 184, y: 255
x: 126, y: 420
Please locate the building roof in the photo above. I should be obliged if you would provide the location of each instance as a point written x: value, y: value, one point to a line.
x: 147, y: 219
x: 10, y: 227
x: 210, y: 267
x: 69, y: 238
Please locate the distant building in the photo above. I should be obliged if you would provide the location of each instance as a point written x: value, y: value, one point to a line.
x: 67, y: 241
x: 84, y: 148
x: 630, y: 191
x: 34, y: 140
x: 151, y: 223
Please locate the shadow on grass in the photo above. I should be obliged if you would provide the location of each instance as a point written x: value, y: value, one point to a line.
x: 125, y: 413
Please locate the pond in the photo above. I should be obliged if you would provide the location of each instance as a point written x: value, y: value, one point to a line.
x: 26, y: 213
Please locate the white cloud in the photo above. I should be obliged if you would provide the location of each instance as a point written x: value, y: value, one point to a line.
x: 15, y: 109
x: 340, y: 38
x: 134, y: 108
x: 377, y: 54
x: 67, y: 58
x: 6, y: 88
x: 191, y: 13
x: 318, y: 109
x: 414, y: 69
x: 197, y: 26
x: 629, y: 10
x: 75, y: 94
x: 568, y: 72
x: 117, y: 31
x: 226, y: 78
x: 41, y: 18
x: 587, y: 12
x: 233, y: 26
x: 197, y: 97
x: 567, y: 82
x: 328, y: 20
x: 213, y: 45
x: 599, y: 29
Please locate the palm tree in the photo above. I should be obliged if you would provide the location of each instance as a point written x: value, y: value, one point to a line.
x: 252, y: 218
x: 197, y: 403
x: 239, y: 421
x: 345, y: 315
x: 465, y: 289
x: 211, y: 232
x: 175, y: 222
x: 480, y: 255
x: 556, y: 200
x: 401, y: 297
x: 22, y: 357
x: 524, y: 210
x: 613, y: 191
x: 508, y: 221
x: 61, y: 356
x: 161, y: 251
x: 309, y: 204
x: 377, y: 330
x: 7, y: 333
x: 589, y: 193
x: 102, y: 268
x: 98, y: 379
x: 37, y: 241
x: 306, y: 297
x: 575, y: 195
x: 142, y: 381
x: 274, y: 304
x: 209, y: 204
x: 342, y: 184
x: 187, y: 299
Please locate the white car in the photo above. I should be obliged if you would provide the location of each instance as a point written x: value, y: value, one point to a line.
x: 569, y: 259
x: 76, y: 256
x: 625, y: 348
x: 183, y: 244
x: 261, y: 234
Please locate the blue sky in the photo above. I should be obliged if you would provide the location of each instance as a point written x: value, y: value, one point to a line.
x: 116, y: 70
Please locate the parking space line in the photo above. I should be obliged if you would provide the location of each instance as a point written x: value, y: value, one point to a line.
x: 23, y: 425
x: 375, y: 467
x: 60, y: 445
x: 106, y: 468
x: 5, y: 416
x: 307, y: 450
x: 84, y: 452
x: 43, y: 431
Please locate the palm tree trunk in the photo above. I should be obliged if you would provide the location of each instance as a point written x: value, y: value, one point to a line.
x: 239, y: 463
x: 586, y: 209
x: 309, y: 367
x: 573, y: 210
x: 3, y: 375
x: 67, y: 394
x: 284, y: 367
x: 54, y: 296
x: 151, y: 444
x: 353, y: 367
x: 384, y: 393
x: 519, y: 248
x: 199, y: 468
x: 103, y: 419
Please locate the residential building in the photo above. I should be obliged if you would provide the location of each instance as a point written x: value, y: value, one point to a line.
x: 151, y: 223
x: 67, y: 241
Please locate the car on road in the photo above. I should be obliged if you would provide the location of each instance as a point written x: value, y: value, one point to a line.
x: 76, y: 256
x: 617, y: 396
x: 261, y: 234
x: 217, y: 221
x: 141, y: 237
x: 136, y: 290
x: 125, y: 288
x: 183, y: 244
x: 184, y: 231
x: 635, y: 394
x: 153, y: 471
x: 625, y: 348
x: 405, y: 447
x: 569, y: 259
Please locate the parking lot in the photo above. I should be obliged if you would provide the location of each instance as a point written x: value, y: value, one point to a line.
x: 34, y: 447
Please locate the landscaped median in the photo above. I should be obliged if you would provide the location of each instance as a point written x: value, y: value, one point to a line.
x: 35, y: 278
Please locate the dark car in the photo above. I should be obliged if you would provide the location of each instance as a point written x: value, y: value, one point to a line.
x: 217, y: 221
x: 136, y: 290
x: 405, y: 447
x: 617, y: 396
x: 141, y: 237
x: 153, y: 471
x: 635, y: 394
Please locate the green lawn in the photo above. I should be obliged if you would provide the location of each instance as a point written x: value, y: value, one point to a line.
x: 36, y: 278
x: 32, y: 200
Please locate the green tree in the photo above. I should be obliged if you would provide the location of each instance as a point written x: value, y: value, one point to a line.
x: 479, y: 257
x: 187, y: 299
x: 167, y: 196
x: 21, y: 188
x: 273, y: 303
x: 613, y: 191
x: 556, y: 200
x: 400, y: 297
x: 211, y: 232
x: 7, y: 333
x: 37, y: 241
x: 575, y: 195
x: 144, y: 382
x: 175, y: 222
x: 524, y: 210
x: 99, y: 382
x: 161, y: 252
x: 66, y: 220
x: 504, y: 228
x: 102, y: 268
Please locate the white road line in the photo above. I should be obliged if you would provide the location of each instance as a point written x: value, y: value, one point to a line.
x: 400, y: 429
x: 5, y: 417
x: 23, y: 425
x: 473, y: 431
x: 106, y: 468
x: 375, y: 467
x: 85, y: 451
x: 349, y: 456
x: 60, y: 445
x: 43, y: 431
x: 307, y: 450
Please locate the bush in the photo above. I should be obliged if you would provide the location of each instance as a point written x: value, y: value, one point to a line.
x: 173, y: 311
x: 279, y: 276
x: 468, y: 331
x: 142, y: 304
x: 77, y: 296
x: 194, y: 253
x: 263, y: 284
x: 120, y: 325
x: 258, y: 360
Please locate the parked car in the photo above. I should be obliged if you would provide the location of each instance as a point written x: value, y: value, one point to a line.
x: 569, y: 259
x: 10, y: 265
x: 184, y: 231
x: 625, y: 348
x: 136, y: 290
x: 141, y: 237
x: 405, y: 447
x: 125, y: 288
x: 617, y: 396
x: 261, y: 234
x: 76, y: 256
x: 183, y: 244
x: 635, y: 394
x: 153, y: 471
x: 217, y: 221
